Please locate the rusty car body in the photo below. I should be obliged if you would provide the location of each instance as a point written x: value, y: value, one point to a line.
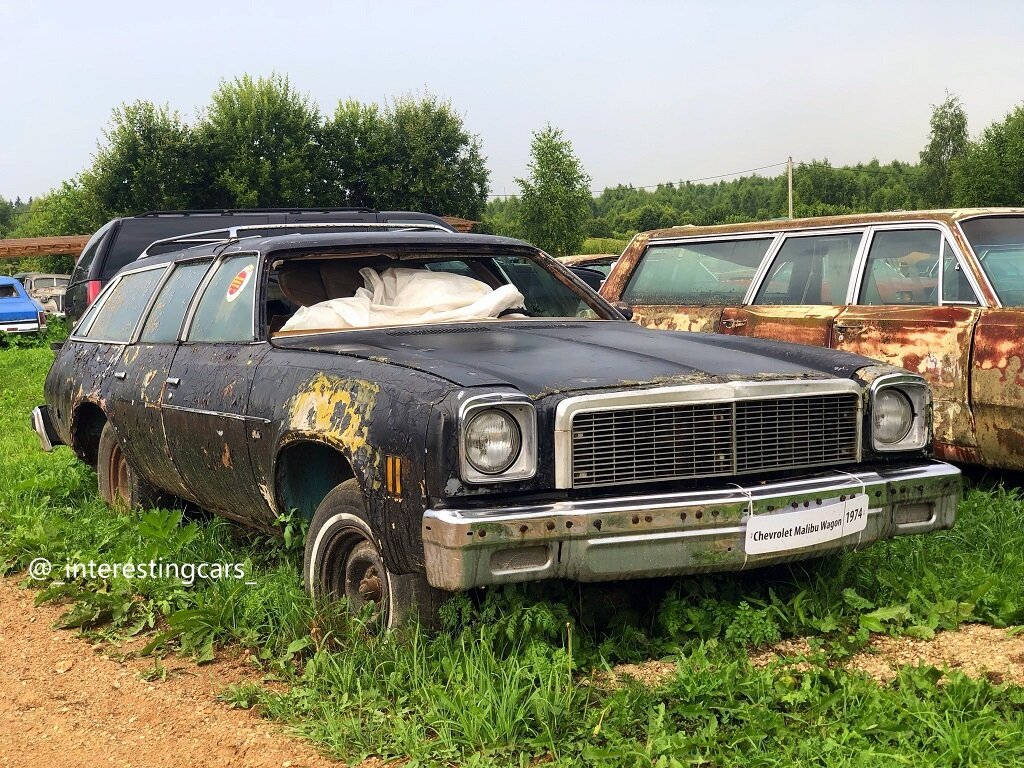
x: 46, y: 288
x: 940, y: 293
x: 558, y: 441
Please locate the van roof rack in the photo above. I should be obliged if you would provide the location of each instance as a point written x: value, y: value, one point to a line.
x: 212, y: 236
x: 237, y: 211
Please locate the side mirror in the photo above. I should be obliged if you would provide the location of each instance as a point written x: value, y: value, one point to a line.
x: 623, y: 309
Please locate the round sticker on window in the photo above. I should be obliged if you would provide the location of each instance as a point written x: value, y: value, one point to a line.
x: 238, y: 282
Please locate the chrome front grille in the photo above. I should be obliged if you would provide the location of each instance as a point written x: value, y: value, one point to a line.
x: 691, y: 440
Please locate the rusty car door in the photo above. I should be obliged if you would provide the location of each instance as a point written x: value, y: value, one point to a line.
x: 682, y: 285
x: 997, y: 387
x: 801, y: 291
x: 207, y: 391
x: 915, y: 309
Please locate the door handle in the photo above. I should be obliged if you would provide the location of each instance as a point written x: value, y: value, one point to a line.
x: 120, y: 375
x: 173, y: 381
x: 851, y: 327
x: 733, y: 323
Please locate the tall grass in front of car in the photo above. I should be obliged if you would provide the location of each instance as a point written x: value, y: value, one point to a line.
x: 516, y: 675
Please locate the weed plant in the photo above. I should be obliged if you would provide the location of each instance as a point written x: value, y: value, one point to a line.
x: 514, y: 677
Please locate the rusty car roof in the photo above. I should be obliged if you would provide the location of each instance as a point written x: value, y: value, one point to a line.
x: 948, y: 215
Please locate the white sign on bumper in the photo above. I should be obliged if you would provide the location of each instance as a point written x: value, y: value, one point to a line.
x: 806, y: 527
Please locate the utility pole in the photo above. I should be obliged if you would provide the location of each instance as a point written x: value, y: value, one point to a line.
x: 789, y: 172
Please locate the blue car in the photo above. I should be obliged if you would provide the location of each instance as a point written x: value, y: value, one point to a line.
x: 19, y: 313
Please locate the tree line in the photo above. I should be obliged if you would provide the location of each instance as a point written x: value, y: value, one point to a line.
x: 261, y: 143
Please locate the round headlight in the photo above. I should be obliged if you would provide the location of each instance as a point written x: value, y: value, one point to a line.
x: 892, y: 416
x: 493, y: 441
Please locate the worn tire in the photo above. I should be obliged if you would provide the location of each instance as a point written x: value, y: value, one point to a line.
x: 343, y: 559
x: 120, y: 484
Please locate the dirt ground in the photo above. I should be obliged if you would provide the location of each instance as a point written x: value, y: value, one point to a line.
x: 64, y: 702
x: 976, y: 650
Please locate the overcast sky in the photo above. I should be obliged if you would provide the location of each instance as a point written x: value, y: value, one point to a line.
x: 647, y: 91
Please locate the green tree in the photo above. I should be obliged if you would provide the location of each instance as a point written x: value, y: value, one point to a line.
x: 413, y: 154
x: 947, y: 143
x: 991, y: 171
x: 260, y: 138
x: 556, y: 198
x: 150, y: 161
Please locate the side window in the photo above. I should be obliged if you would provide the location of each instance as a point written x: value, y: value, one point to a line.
x: 168, y: 311
x: 812, y: 270
x: 902, y: 268
x: 225, y: 311
x: 716, y: 272
x: 956, y: 288
x: 123, y: 306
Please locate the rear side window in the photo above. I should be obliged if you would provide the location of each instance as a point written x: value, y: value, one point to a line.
x: 811, y: 270
x: 116, y: 318
x: 168, y: 311
x: 81, y: 270
x: 696, y: 274
x: 8, y: 292
x: 225, y: 311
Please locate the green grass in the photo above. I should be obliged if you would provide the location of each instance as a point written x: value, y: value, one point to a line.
x: 507, y: 681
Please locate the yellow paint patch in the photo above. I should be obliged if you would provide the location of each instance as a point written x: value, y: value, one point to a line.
x: 336, y: 408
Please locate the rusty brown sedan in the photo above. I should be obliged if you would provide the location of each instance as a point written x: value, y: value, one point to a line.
x: 938, y: 292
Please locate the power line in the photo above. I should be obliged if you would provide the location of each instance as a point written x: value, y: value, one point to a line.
x: 680, y: 181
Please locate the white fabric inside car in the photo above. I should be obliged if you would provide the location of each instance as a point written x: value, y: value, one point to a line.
x: 401, y: 296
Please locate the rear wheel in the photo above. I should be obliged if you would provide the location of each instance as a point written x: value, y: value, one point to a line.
x: 120, y: 484
x: 343, y: 560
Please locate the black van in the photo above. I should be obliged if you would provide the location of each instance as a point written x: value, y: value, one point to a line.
x: 120, y: 241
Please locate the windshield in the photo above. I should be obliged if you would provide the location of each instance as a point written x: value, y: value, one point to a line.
x: 998, y: 242
x: 338, y: 292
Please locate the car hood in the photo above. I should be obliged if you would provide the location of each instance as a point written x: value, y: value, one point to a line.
x: 542, y: 357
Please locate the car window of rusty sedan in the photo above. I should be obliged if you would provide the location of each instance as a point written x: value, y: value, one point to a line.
x: 696, y: 274
x: 811, y: 270
x: 225, y: 311
x: 998, y: 242
x: 168, y: 310
x: 123, y: 305
x: 902, y: 268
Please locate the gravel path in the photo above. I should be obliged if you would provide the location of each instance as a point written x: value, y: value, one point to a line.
x: 64, y: 702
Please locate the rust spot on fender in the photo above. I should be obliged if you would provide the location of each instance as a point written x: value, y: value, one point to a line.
x: 336, y: 408
x: 225, y: 457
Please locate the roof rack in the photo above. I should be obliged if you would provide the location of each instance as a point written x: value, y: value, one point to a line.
x: 237, y: 211
x: 207, y: 237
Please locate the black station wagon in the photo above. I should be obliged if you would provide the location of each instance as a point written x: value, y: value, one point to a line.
x: 451, y: 411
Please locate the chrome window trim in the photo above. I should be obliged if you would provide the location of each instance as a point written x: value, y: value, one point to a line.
x: 149, y: 309
x: 732, y: 391
x: 183, y: 335
x: 974, y: 255
x: 772, y: 236
x: 853, y: 298
x: 108, y: 289
x: 519, y: 407
x: 786, y: 235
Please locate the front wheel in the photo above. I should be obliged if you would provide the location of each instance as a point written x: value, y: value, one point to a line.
x: 343, y: 560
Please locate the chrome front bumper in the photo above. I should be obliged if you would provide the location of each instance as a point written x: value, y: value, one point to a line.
x: 671, y: 534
